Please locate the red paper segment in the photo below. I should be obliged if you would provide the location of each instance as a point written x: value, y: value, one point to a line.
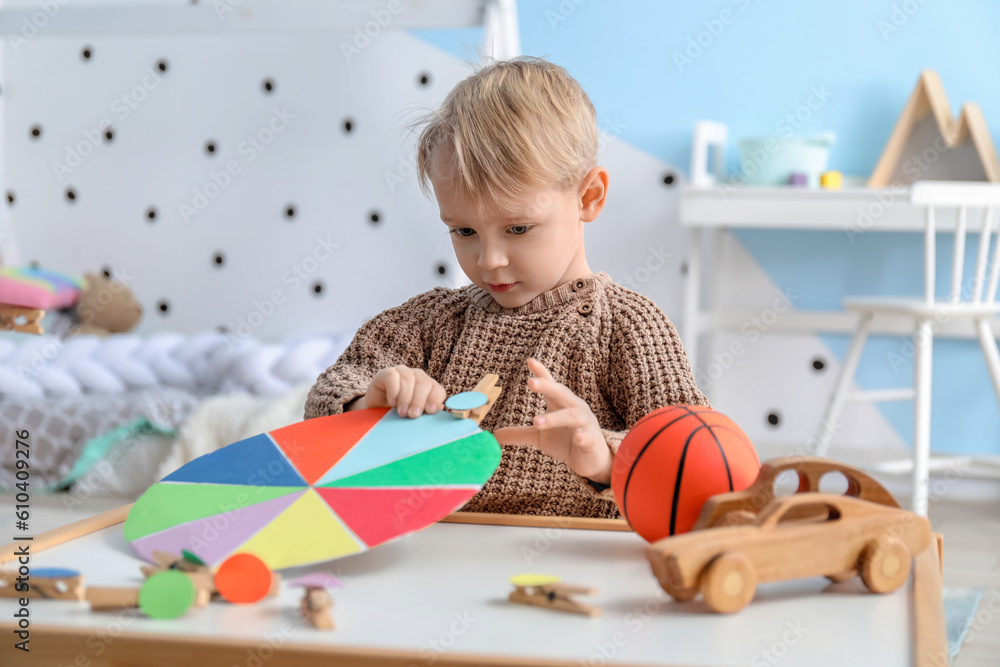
x: 379, y: 515
x: 316, y: 445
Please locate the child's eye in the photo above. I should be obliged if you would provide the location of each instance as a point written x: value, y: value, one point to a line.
x: 520, y: 229
x: 461, y: 231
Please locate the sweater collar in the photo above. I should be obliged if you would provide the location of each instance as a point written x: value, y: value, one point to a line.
x: 555, y: 297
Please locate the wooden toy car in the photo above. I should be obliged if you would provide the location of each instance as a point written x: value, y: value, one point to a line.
x: 740, y: 507
x: 802, y: 535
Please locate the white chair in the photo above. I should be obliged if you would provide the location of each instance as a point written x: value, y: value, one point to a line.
x: 973, y: 300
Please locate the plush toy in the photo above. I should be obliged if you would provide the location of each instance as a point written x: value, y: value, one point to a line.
x: 105, y: 306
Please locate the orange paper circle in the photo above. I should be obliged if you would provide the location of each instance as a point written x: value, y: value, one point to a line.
x: 243, y: 579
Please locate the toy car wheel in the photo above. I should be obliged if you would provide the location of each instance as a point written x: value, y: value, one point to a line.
x: 841, y: 576
x: 729, y: 582
x: 885, y: 567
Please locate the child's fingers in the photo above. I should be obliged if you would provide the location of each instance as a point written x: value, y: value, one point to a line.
x: 567, y: 418
x: 538, y: 369
x: 421, y: 392
x: 384, y: 388
x: 436, y: 398
x: 405, y: 396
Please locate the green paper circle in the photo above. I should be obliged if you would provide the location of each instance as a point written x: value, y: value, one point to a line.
x: 166, y: 594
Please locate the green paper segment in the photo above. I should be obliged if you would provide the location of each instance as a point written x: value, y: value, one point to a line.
x: 469, y: 461
x: 167, y: 504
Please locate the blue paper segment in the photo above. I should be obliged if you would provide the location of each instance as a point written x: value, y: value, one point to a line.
x: 395, y: 437
x: 256, y: 461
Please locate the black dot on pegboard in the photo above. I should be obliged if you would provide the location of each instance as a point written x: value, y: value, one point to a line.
x: 424, y: 78
x: 87, y: 52
x: 106, y: 272
x: 222, y: 328
x: 163, y: 307
x: 10, y: 197
x: 268, y: 86
x: 374, y: 217
x: 151, y: 213
x: 348, y: 126
x: 219, y: 259
x: 109, y: 134
x: 317, y: 287
x: 36, y: 131
x: 34, y: 264
x: 684, y: 268
x: 668, y: 179
x: 773, y: 418
x: 210, y: 147
x: 290, y: 211
x: 818, y: 364
x: 442, y: 269
x: 161, y: 65
x: 71, y: 194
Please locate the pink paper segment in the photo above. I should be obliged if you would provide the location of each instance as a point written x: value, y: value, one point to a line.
x: 379, y: 515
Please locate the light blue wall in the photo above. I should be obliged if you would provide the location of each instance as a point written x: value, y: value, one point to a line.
x: 763, y: 64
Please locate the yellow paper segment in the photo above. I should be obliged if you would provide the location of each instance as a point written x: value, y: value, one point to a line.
x: 307, y: 532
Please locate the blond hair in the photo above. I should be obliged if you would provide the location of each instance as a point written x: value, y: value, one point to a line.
x: 513, y: 125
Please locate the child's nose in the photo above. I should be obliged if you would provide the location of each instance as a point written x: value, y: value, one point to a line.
x: 492, y: 257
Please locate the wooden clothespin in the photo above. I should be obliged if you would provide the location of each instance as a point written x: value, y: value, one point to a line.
x: 546, y: 591
x: 18, y: 318
x: 49, y: 582
x: 316, y: 601
x: 476, y: 403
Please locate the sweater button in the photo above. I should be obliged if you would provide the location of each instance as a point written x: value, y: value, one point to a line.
x: 579, y: 285
x: 584, y: 309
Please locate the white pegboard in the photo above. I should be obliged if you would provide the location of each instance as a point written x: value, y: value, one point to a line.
x: 213, y: 91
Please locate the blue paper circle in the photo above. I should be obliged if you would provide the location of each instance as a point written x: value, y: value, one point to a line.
x: 467, y: 400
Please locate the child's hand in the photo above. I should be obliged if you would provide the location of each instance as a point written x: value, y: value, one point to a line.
x: 568, y: 431
x: 411, y: 390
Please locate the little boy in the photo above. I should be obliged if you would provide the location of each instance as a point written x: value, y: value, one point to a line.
x: 512, y: 157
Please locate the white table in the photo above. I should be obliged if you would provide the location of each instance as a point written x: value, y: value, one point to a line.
x: 709, y: 211
x: 439, y: 597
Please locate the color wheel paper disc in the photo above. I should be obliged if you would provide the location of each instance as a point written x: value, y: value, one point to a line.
x: 316, y: 490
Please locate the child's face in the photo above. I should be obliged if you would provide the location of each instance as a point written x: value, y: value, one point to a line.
x: 538, y: 248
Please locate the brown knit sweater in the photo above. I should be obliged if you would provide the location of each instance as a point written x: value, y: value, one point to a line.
x: 613, y: 347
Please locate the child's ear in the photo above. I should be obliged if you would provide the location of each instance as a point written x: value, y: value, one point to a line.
x: 593, y: 193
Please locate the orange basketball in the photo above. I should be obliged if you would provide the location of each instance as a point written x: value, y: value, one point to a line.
x: 672, y: 461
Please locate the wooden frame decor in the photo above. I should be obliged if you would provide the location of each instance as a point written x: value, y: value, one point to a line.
x: 928, y: 104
